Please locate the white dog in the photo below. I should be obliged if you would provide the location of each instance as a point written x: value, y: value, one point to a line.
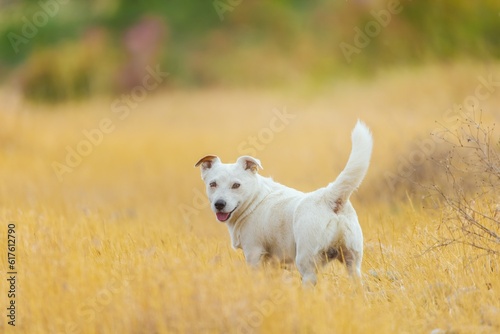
x: 266, y: 218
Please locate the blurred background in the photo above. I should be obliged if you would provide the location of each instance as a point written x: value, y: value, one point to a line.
x: 59, y: 50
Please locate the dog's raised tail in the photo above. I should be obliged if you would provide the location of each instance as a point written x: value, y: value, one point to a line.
x: 339, y: 191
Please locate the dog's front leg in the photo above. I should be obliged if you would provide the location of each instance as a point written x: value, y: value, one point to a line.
x: 253, y: 255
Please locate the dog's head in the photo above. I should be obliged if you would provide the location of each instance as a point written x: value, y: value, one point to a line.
x: 229, y: 186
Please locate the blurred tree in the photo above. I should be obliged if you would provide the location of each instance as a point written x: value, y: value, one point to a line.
x: 254, y: 42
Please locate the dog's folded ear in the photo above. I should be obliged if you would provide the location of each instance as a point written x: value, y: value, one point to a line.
x: 207, y: 162
x: 249, y: 163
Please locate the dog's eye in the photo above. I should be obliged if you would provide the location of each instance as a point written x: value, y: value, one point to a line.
x: 213, y: 184
x: 235, y: 186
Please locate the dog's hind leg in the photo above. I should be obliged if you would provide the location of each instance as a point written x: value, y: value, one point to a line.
x: 306, y: 265
x: 352, y: 260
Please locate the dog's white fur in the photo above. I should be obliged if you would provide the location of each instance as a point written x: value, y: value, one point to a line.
x: 266, y: 218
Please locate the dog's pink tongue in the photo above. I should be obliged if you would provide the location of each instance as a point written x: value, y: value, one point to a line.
x: 222, y: 216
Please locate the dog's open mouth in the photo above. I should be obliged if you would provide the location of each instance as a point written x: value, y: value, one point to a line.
x: 224, y: 216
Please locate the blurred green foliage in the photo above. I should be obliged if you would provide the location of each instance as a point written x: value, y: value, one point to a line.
x: 64, y: 49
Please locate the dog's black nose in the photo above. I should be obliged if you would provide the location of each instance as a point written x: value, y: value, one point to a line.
x: 220, y: 204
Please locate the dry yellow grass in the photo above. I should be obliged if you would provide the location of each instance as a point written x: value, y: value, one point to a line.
x: 126, y: 244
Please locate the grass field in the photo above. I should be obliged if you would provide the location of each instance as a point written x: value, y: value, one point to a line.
x: 114, y: 234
